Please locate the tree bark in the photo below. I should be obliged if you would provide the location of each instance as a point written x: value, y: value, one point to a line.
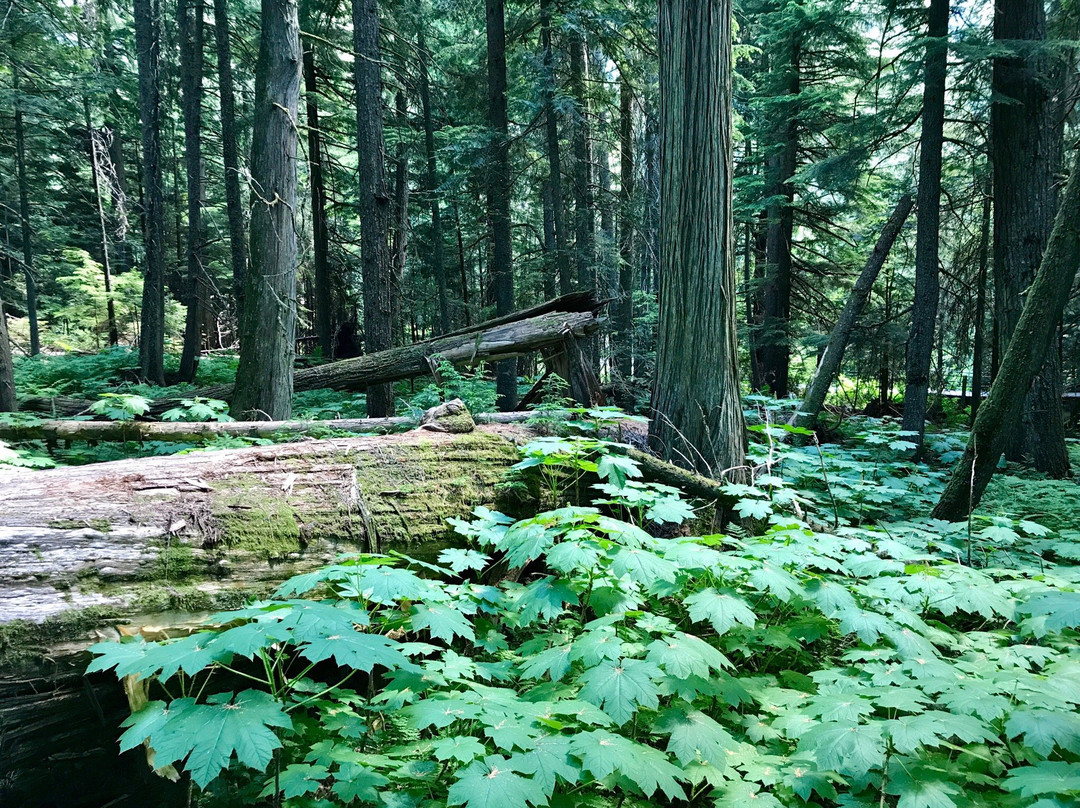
x: 190, y: 26
x: 98, y: 158
x: 264, y: 378
x: 438, y: 262
x: 24, y: 216
x: 920, y: 344
x: 8, y: 401
x: 979, y: 346
x: 500, y: 186
x: 697, y: 411
x: 775, y: 336
x: 230, y: 155
x: 1023, y: 359
x: 374, y: 200
x: 401, y: 219
x: 554, y: 152
x: 830, y: 362
x: 584, y: 203
x: 624, y: 304
x: 152, y: 325
x: 1027, y: 143
x: 324, y: 297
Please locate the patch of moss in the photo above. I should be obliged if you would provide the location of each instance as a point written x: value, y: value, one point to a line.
x: 174, y: 562
x: 24, y: 642
x: 100, y: 525
x: 249, y: 517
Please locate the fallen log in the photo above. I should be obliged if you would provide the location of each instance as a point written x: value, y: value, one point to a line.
x: 486, y: 343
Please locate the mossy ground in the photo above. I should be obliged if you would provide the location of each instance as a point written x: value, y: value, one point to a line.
x: 1019, y: 493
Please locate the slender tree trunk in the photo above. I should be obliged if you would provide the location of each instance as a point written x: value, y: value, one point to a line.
x: 697, y: 412
x: 8, y: 402
x: 1023, y: 359
x: 624, y: 304
x: 650, y: 225
x: 438, y: 264
x: 461, y: 268
x: 264, y: 379
x: 190, y: 24
x: 584, y: 203
x: 401, y: 218
x: 499, y: 189
x: 885, y: 358
x: 920, y: 344
x: 776, y: 341
x: 152, y: 325
x: 979, y: 347
x: 24, y: 216
x: 97, y: 158
x: 230, y: 155
x: 324, y: 296
x: 551, y: 271
x: 1027, y: 145
x: 554, y: 153
x: 830, y: 362
x: 374, y: 201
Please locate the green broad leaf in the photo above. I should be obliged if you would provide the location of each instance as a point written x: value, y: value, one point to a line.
x: 617, y: 468
x: 754, y: 508
x: 669, y: 510
x: 143, y: 724
x: 363, y: 652
x: 555, y: 662
x: 620, y: 688
x: 804, y: 779
x: 720, y: 609
x: 296, y: 780
x: 684, y: 655
x: 462, y: 560
x: 442, y: 621
x: 545, y: 598
x: 1042, y: 730
x: 921, y: 787
x: 643, y: 567
x: 602, y: 753
x: 548, y: 761
x: 868, y: 626
x: 567, y: 556
x: 190, y: 655
x: 492, y: 783
x: 847, y: 748
x: 695, y: 737
x: 598, y: 644
x: 440, y: 712
x: 779, y: 583
x: 353, y: 781
x: 1052, y: 778
x: 510, y: 733
x: 127, y: 657
x: 830, y: 597
x: 740, y: 794
x: 463, y: 749
x: 1060, y: 609
x: 207, y: 736
x: 387, y: 585
x: 248, y: 639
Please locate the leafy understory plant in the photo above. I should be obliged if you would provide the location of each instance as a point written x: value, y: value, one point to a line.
x: 796, y: 667
x: 198, y: 409
x: 120, y: 406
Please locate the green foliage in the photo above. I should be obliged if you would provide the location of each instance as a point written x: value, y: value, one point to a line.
x: 788, y: 665
x: 120, y: 406
x: 198, y: 409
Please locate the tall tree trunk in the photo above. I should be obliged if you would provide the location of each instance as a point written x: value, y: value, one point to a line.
x: 401, y: 217
x: 24, y: 216
x: 1027, y: 142
x: 461, y: 268
x: 264, y: 379
x: 1032, y: 340
x: 152, y: 325
x: 98, y: 156
x: 624, y: 303
x: 584, y: 203
x: 499, y: 189
x: 650, y: 225
x: 831, y: 360
x: 554, y: 153
x: 920, y: 344
x: 697, y: 412
x: 8, y: 402
x: 190, y: 24
x: 438, y: 263
x: 374, y: 202
x: 324, y: 297
x: 551, y: 270
x: 776, y: 327
x: 979, y: 346
x: 230, y: 155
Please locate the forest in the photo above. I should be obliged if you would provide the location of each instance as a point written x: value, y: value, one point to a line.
x: 528, y: 403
